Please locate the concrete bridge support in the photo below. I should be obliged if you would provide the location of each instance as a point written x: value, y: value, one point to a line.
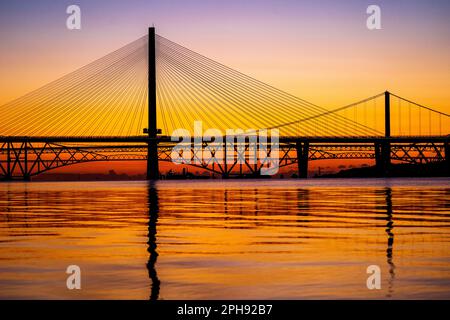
x: 8, y: 175
x: 152, y: 161
x: 382, y: 158
x: 26, y: 174
x: 302, y: 158
x: 447, y: 156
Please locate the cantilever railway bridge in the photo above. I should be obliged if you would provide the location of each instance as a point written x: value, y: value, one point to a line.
x: 98, y: 113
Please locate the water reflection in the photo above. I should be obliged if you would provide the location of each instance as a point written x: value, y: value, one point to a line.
x: 221, y: 240
x: 390, y: 242
x: 153, y: 211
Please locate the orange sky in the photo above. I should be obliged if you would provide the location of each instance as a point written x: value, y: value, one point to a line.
x: 321, y: 52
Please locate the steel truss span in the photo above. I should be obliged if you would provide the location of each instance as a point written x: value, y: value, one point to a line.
x: 22, y: 157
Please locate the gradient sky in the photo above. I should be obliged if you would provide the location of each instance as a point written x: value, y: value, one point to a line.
x: 318, y: 50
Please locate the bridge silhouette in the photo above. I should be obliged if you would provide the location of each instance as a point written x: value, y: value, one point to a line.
x: 98, y: 113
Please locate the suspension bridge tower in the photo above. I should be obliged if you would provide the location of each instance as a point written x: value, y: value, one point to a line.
x: 152, y: 130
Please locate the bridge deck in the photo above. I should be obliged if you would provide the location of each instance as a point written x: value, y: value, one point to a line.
x: 283, y: 139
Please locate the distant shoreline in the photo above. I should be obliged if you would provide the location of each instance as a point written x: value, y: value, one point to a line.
x: 437, y: 169
x: 433, y: 169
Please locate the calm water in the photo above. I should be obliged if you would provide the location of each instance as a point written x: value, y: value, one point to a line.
x: 233, y: 239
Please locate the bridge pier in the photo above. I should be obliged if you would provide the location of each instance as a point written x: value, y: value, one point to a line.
x: 302, y: 158
x: 447, y: 156
x: 382, y: 158
x: 152, y: 161
x: 256, y: 171
x: 8, y: 175
x: 26, y: 174
x: 225, y: 174
x: 383, y: 149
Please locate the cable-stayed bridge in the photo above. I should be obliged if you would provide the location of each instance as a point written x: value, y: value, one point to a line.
x: 98, y: 113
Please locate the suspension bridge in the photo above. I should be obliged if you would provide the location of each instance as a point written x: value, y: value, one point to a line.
x: 125, y: 105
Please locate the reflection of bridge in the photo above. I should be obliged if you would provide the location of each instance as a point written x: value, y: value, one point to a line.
x: 385, y: 211
x: 72, y: 121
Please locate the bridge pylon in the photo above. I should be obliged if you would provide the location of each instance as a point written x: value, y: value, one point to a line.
x: 152, y: 154
x: 383, y: 149
x: 382, y: 158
